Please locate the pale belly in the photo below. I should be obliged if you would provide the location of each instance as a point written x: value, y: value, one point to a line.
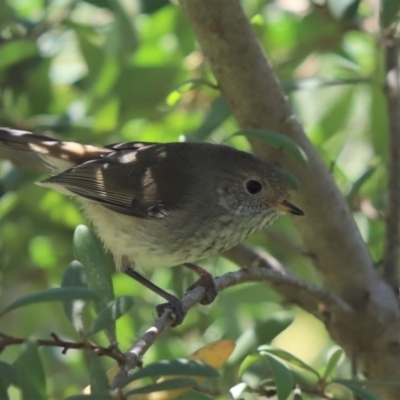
x: 149, y: 243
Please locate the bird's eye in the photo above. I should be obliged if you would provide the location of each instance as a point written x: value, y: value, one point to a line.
x: 253, y: 187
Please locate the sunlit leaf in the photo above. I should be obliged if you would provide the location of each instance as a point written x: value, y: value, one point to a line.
x: 238, y: 390
x: 16, y: 51
x: 263, y: 332
x: 248, y: 362
x: 332, y: 363
x: 7, y: 202
x: 214, y: 354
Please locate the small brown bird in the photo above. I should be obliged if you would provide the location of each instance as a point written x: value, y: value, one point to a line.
x: 155, y: 204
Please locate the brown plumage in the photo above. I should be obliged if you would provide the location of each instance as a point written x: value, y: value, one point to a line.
x: 157, y: 205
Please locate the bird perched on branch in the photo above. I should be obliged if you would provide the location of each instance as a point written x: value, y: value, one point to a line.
x: 161, y: 204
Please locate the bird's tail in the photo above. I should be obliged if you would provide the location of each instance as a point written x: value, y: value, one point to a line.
x: 38, y: 152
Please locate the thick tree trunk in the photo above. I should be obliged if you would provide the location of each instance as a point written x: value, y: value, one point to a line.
x: 371, y: 335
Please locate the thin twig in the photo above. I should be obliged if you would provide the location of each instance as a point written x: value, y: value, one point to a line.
x: 112, y: 351
x: 392, y: 95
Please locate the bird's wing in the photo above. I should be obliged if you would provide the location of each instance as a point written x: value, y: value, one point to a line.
x: 127, y: 181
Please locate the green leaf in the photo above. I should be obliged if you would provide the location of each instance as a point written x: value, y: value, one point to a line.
x: 368, y: 383
x: 7, y: 202
x: 362, y: 393
x: 218, y: 113
x: 238, y: 390
x: 193, y: 395
x: 59, y: 294
x: 90, y: 50
x: 186, y: 86
x: 287, y: 357
x: 31, y: 374
x: 378, y: 128
x: 127, y: 37
x: 359, y: 182
x: 332, y: 363
x: 344, y: 9
x: 108, y: 315
x: 389, y: 11
x: 263, y: 332
x: 97, y: 396
x: 40, y: 90
x: 247, y: 362
x: 166, y: 385
x: 16, y: 51
x: 89, y: 252
x: 9, y: 374
x: 276, y: 140
x: 316, y: 83
x: 174, y: 367
x: 74, y: 276
x: 151, y: 6
x: 98, y: 377
x: 3, y: 390
x: 283, y: 376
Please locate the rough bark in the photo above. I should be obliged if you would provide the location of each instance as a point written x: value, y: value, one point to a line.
x: 329, y: 232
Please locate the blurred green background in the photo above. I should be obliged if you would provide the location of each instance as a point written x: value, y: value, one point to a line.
x: 100, y: 72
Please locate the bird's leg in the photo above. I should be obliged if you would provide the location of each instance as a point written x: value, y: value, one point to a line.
x: 206, y: 280
x: 173, y: 304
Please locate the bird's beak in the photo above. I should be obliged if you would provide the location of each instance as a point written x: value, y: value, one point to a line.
x: 287, y: 207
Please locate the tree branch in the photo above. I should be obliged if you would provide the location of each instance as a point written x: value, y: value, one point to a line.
x: 392, y: 96
x: 112, y: 351
x: 262, y: 268
x: 257, y: 100
x: 328, y: 230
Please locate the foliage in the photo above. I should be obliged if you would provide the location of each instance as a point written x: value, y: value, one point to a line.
x: 99, y: 71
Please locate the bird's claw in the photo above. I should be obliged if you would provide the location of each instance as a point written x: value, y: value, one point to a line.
x: 178, y: 311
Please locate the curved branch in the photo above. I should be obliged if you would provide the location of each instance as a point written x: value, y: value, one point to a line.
x: 328, y: 230
x: 264, y: 268
x: 257, y: 100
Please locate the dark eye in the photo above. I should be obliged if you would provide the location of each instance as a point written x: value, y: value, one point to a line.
x: 253, y: 187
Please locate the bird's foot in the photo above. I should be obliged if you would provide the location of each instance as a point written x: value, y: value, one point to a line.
x: 206, y: 280
x: 178, y: 311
